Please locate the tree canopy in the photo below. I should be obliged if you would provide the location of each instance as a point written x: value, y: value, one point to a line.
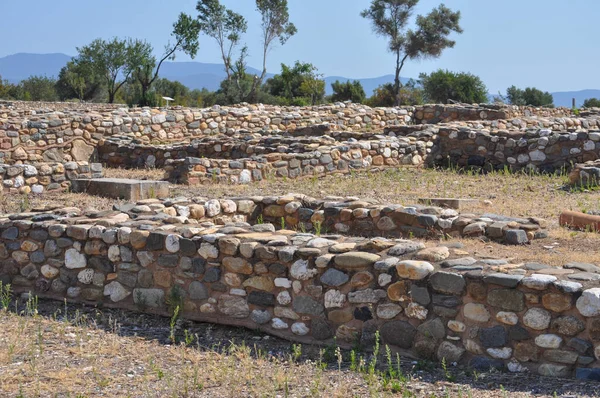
x: 429, y: 38
x: 348, y: 91
x: 530, y: 96
x: 444, y: 86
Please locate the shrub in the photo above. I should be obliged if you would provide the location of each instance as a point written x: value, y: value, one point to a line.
x: 444, y: 86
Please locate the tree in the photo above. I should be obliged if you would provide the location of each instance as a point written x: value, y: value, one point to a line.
x: 429, y: 39
x: 443, y: 86
x: 588, y: 103
x: 38, y: 88
x: 530, y: 96
x: 223, y: 25
x: 145, y: 69
x: 276, y: 25
x: 114, y: 60
x: 348, y: 91
x: 78, y: 80
x: 299, y: 83
x: 7, y: 89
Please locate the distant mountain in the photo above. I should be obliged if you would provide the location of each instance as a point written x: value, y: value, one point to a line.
x: 20, y: 66
x: 198, y: 75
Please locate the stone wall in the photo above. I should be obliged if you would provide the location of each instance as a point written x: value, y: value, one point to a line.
x: 45, y: 177
x: 536, y: 150
x: 439, y: 113
x: 426, y: 302
x: 340, y: 158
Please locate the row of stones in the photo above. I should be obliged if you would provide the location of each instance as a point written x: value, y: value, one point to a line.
x: 27, y: 178
x: 430, y: 114
x: 124, y: 152
x: 546, y: 150
x: 338, y: 215
x: 341, y: 159
x: 302, y: 285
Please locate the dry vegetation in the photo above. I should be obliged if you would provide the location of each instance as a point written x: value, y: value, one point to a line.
x: 77, y: 351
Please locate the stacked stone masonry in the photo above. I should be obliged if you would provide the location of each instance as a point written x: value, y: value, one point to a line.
x: 246, y: 143
x: 45, y: 177
x: 425, y: 300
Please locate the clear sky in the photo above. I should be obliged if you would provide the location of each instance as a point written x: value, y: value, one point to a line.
x: 549, y: 44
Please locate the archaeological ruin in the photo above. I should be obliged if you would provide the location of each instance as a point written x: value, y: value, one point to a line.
x: 310, y: 270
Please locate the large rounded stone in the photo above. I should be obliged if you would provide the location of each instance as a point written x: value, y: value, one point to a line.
x: 567, y: 325
x: 355, y: 260
x: 74, y: 259
x: 548, y: 341
x: 398, y: 333
x: 414, y: 270
x: 537, y: 319
x: 589, y: 302
x: 333, y: 277
x: 557, y: 302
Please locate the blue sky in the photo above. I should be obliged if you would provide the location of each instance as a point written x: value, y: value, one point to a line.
x: 550, y: 44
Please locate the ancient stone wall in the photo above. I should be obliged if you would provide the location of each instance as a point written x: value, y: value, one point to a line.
x: 45, y: 177
x: 341, y: 158
x: 536, y: 150
x: 439, y: 113
x: 426, y: 302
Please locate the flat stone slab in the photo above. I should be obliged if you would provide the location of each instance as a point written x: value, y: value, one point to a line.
x: 122, y: 188
x: 450, y: 203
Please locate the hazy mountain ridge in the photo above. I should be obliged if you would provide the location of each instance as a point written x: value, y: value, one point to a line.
x: 198, y: 75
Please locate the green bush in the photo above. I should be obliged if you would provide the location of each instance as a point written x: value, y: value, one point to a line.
x: 530, y: 96
x: 348, y: 91
x: 444, y: 86
x: 591, y: 103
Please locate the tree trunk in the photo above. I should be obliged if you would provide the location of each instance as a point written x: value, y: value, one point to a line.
x: 111, y: 97
x: 397, y: 80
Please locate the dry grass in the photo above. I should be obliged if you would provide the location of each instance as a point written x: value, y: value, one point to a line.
x: 87, y: 354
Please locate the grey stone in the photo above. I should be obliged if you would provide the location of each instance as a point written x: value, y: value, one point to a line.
x: 149, y: 297
x: 459, y: 262
x: 493, y: 337
x: 262, y: 299
x: 485, y: 364
x: 406, y: 247
x: 260, y: 316
x: 585, y: 267
x: 420, y: 295
x: 398, y: 333
x: 447, y: 282
x: 515, y: 237
x: 198, y: 291
x: 505, y: 280
x: 333, y: 277
x: 579, y: 345
x: 507, y: 299
x: 432, y: 329
x: 306, y: 305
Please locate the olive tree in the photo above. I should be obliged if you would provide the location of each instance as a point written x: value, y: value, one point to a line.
x: 428, y: 39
